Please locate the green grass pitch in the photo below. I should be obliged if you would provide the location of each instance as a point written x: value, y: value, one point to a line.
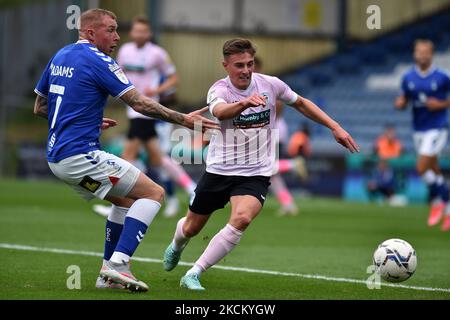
x: 329, y: 238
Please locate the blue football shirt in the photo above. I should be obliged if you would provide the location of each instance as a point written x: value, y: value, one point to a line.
x: 76, y: 83
x: 418, y: 88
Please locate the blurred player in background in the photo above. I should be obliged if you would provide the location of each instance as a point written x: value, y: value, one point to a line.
x: 299, y: 148
x: 277, y: 184
x: 387, y: 145
x: 426, y: 88
x: 172, y: 171
x: 245, y: 104
x: 145, y: 64
x: 383, y: 180
x: 72, y: 93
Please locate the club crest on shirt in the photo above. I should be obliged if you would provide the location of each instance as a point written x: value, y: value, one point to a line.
x: 434, y: 86
x: 121, y: 76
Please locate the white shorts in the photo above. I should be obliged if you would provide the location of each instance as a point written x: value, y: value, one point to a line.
x: 97, y: 174
x: 431, y: 142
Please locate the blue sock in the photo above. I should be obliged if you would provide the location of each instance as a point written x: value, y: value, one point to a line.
x: 443, y: 192
x: 168, y: 185
x: 113, y: 231
x: 433, y: 190
x: 133, y: 232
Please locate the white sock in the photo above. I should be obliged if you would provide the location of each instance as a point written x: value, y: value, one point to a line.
x: 196, y: 269
x: 179, y: 240
x: 117, y: 214
x: 119, y: 257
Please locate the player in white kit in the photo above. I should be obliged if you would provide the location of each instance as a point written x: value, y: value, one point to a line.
x: 241, y: 156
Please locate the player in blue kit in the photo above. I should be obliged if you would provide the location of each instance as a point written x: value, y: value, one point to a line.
x: 425, y: 87
x: 72, y: 94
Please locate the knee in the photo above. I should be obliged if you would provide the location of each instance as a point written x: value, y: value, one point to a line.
x: 241, y: 221
x: 157, y: 193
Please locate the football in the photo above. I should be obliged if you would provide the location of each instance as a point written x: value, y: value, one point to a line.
x: 395, y: 260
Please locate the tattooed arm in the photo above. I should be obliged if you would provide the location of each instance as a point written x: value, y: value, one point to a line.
x: 41, y: 107
x: 151, y: 108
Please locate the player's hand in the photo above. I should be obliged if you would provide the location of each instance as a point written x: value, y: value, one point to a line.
x: 150, y: 92
x: 400, y: 102
x: 253, y: 101
x: 434, y: 104
x: 345, y: 139
x: 108, y: 123
x: 196, y: 118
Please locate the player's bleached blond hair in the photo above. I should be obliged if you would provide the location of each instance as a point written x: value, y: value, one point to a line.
x: 238, y: 45
x: 93, y: 17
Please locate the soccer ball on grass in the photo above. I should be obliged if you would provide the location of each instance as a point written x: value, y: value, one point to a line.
x: 395, y: 260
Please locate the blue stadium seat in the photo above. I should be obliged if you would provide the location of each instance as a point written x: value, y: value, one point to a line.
x: 348, y: 64
x: 320, y: 76
x: 372, y: 54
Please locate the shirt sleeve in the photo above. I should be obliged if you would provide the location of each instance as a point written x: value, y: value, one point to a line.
x: 110, y: 77
x: 43, y: 84
x: 165, y: 65
x: 404, y: 86
x: 284, y: 92
x: 447, y: 83
x: 216, y: 94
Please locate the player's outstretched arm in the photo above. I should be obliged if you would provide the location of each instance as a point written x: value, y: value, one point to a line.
x: 224, y: 111
x: 434, y: 104
x: 312, y: 111
x: 151, y: 108
x: 401, y: 102
x: 41, y: 107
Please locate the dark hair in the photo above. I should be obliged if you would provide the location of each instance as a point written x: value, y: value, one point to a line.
x: 235, y: 46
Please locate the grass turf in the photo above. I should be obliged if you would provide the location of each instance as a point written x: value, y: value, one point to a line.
x: 329, y: 237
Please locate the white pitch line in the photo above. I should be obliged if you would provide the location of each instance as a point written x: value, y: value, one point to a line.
x: 249, y: 270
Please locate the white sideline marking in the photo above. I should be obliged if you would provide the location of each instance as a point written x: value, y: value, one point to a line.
x: 276, y: 273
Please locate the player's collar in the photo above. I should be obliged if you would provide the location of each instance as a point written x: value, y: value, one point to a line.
x: 82, y: 41
x: 425, y: 74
